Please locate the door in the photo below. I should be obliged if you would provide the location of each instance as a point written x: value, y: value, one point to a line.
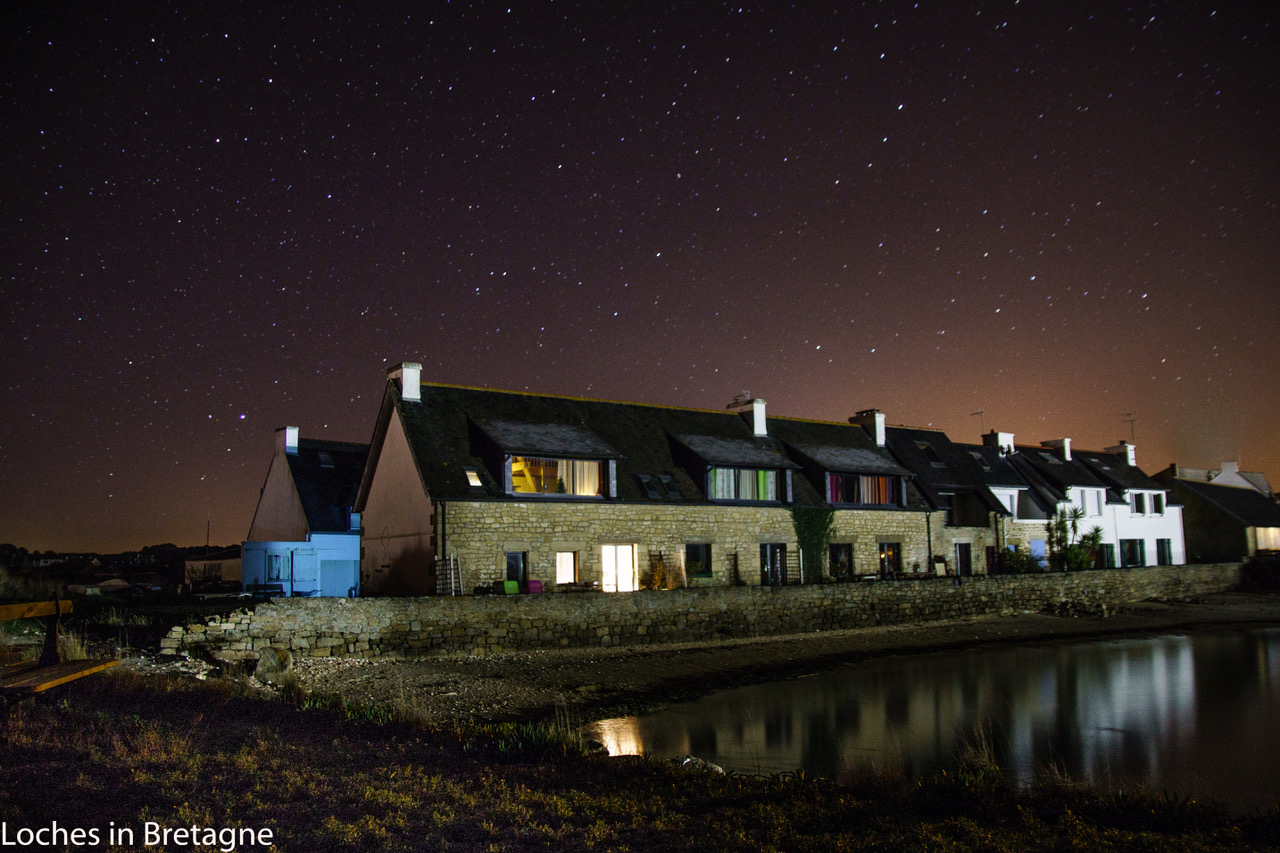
x: 305, y: 576
x: 773, y: 561
x: 890, y: 560
x: 964, y: 559
x: 516, y: 567
x: 618, y: 568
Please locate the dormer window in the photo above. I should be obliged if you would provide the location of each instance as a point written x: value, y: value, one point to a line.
x: 742, y: 484
x: 541, y: 475
x: 864, y: 489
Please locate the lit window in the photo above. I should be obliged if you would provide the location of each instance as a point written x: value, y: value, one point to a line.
x: 566, y: 567
x: 473, y: 478
x: 618, y: 568
x: 539, y: 475
x: 744, y: 484
x: 864, y: 489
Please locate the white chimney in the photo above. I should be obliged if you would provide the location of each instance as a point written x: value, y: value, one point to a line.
x: 410, y: 375
x: 872, y: 420
x: 287, y: 439
x: 1059, y: 443
x: 757, y: 413
x: 1002, y: 441
x: 1128, y: 451
x: 1230, y: 468
x: 757, y: 417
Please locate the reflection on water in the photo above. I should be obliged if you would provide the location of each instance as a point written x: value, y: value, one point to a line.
x: 1191, y: 715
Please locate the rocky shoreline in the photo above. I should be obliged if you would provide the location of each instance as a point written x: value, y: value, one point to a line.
x: 587, y: 684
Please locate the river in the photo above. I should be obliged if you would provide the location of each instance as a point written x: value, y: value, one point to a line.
x: 1189, y: 714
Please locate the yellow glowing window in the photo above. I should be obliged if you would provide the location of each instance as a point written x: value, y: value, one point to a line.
x: 540, y: 475
x: 473, y: 478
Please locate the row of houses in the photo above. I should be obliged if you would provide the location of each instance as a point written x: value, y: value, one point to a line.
x: 461, y: 488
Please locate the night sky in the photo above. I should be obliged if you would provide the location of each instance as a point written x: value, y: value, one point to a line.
x: 221, y: 220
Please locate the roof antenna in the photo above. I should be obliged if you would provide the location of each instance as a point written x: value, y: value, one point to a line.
x: 1131, y: 420
x: 741, y: 400
x: 982, y: 412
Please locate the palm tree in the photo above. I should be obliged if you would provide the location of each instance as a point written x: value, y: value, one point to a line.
x: 1069, y: 551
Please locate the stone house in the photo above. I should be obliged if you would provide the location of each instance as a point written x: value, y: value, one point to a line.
x: 971, y: 489
x: 466, y: 487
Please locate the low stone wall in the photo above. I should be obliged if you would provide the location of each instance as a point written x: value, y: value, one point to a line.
x: 412, y: 627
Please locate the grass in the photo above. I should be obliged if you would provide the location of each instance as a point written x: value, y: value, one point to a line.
x: 325, y: 774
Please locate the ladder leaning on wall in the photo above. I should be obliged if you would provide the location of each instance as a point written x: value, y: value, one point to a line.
x: 448, y: 576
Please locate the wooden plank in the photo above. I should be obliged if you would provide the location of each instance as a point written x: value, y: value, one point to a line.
x: 30, y: 610
x: 34, y: 679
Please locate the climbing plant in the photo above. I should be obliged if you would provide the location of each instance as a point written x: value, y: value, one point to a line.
x: 814, y: 526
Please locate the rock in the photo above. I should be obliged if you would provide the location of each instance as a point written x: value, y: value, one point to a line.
x: 692, y: 762
x: 273, y: 664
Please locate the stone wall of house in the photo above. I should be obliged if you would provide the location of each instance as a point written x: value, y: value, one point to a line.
x: 409, y: 627
x: 480, y: 534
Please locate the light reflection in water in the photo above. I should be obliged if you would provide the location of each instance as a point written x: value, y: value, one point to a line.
x: 1180, y: 713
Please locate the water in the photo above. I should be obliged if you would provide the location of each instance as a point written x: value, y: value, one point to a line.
x: 1192, y: 715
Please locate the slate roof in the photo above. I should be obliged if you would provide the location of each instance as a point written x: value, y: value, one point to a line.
x: 327, y: 477
x: 836, y: 447
x: 661, y: 453
x: 994, y: 467
x: 943, y: 467
x: 557, y: 440
x: 1250, y: 508
x: 1049, y: 474
x: 1115, y: 470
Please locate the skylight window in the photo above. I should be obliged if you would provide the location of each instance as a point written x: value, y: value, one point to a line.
x: 650, y: 486
x: 669, y: 483
x: 931, y: 454
x: 473, y: 478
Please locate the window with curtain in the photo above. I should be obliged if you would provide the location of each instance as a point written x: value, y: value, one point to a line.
x: 864, y: 489
x: 743, y: 484
x: 540, y: 475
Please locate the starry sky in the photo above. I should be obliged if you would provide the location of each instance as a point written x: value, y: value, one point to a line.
x: 220, y: 220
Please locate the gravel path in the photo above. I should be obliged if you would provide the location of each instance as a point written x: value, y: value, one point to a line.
x: 594, y: 683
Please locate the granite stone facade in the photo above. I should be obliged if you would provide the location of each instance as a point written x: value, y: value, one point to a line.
x: 480, y: 534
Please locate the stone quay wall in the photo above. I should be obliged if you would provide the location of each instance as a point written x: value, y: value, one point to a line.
x: 417, y: 627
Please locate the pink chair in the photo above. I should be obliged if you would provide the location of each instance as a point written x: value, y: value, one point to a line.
x: 535, y: 586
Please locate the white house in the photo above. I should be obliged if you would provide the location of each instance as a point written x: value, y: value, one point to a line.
x: 305, y: 538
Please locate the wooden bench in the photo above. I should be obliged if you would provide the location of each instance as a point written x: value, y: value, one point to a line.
x: 50, y: 670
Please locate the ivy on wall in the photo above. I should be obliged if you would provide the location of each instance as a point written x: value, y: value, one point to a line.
x: 814, y: 526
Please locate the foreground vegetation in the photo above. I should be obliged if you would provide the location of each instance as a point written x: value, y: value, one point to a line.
x: 121, y: 750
